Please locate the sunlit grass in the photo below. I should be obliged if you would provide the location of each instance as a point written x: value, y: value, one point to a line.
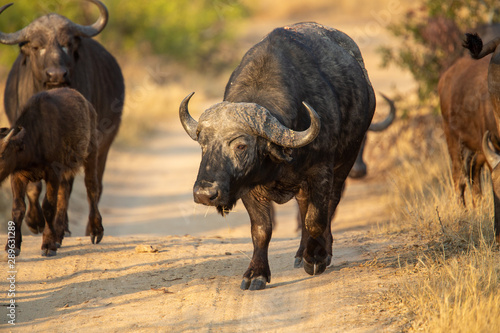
x: 453, y: 286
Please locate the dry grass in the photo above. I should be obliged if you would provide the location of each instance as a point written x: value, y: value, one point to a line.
x: 452, y: 286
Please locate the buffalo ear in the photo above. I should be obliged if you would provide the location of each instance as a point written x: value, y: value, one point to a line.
x: 14, y: 137
x: 3, y: 132
x: 279, y: 154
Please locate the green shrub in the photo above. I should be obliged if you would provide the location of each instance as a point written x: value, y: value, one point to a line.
x: 431, y: 38
x: 187, y: 31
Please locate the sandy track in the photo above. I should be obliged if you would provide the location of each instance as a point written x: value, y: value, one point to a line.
x: 192, y: 283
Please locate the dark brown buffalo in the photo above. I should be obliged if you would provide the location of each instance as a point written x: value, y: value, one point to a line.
x: 479, y: 51
x: 54, y: 135
x: 294, y: 116
x: 56, y: 52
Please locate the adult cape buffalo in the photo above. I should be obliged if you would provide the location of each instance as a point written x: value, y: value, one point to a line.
x: 294, y: 115
x: 56, y: 52
x: 467, y: 115
x: 478, y: 51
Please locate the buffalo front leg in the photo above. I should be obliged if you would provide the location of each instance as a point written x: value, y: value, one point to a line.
x: 261, y: 218
x: 34, y: 215
x: 92, y: 182
x: 18, y: 185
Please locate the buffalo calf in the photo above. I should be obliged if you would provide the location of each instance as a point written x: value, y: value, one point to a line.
x: 53, y: 137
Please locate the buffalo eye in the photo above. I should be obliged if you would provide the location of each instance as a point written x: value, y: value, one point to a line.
x: 241, y: 147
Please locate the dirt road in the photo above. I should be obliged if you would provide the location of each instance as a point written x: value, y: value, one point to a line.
x: 191, y: 284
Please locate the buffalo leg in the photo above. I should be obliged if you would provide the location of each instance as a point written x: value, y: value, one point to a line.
x: 94, y: 226
x: 475, y: 176
x: 495, y: 179
x: 61, y: 218
x: 34, y: 215
x: 49, y: 206
x: 19, y: 185
x: 260, y: 212
x: 303, y: 203
x: 69, y: 189
x: 458, y: 166
x: 316, y: 222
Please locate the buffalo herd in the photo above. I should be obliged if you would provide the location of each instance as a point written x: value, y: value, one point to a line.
x: 292, y: 124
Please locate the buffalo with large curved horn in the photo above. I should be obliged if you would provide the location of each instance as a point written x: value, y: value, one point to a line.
x: 56, y: 52
x: 25, y: 34
x: 265, y: 143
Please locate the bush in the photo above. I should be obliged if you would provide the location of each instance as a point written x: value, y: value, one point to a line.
x: 187, y: 31
x: 431, y: 38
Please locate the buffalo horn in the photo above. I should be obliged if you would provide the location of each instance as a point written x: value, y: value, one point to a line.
x: 492, y: 156
x: 384, y: 124
x: 9, y: 135
x: 14, y: 37
x: 275, y: 132
x: 190, y: 125
x: 98, y: 26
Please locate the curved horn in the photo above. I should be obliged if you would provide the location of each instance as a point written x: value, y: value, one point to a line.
x: 98, y: 26
x: 190, y: 125
x: 14, y: 37
x: 281, y: 135
x: 492, y: 156
x: 477, y: 50
x: 384, y: 124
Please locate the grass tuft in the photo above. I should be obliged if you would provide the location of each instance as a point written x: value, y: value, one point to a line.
x: 452, y: 286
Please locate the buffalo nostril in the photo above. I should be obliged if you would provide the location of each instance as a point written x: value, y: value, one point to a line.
x: 57, y: 74
x: 205, y: 195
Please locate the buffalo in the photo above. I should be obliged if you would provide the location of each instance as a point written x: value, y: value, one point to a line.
x: 359, y: 168
x: 467, y: 114
x: 479, y: 51
x: 294, y: 116
x: 54, y: 135
x: 56, y: 52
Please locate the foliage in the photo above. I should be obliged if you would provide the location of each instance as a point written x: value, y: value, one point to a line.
x: 431, y: 36
x: 187, y: 31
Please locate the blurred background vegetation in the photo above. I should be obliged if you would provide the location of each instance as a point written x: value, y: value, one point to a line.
x: 430, y: 35
x: 169, y: 48
x: 190, y: 32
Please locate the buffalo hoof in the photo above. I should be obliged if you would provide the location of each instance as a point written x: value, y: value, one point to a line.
x: 58, y: 245
x: 315, y: 268
x: 96, y: 239
x: 299, y: 262
x: 255, y: 284
x: 48, y: 253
